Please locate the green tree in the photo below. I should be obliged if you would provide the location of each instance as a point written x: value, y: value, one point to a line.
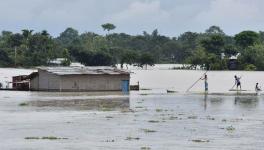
x: 68, y: 36
x: 67, y: 57
x: 214, y: 30
x: 174, y: 52
x: 146, y: 59
x: 4, y: 59
x: 27, y: 33
x: 213, y: 44
x: 253, y: 55
x: 246, y: 38
x: 108, y: 27
x: 230, y: 50
x: 129, y: 57
x: 198, y: 58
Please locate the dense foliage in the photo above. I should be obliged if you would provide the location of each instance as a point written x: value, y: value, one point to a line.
x: 212, y: 49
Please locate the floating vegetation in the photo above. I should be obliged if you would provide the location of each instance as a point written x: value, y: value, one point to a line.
x: 127, y: 110
x: 144, y: 94
x: 236, y: 120
x: 172, y: 91
x: 109, y: 141
x: 132, y: 138
x: 23, y: 104
x: 230, y: 128
x: 159, y: 110
x: 148, y: 130
x: 173, y: 118
x: 139, y: 107
x: 145, y: 148
x: 45, y: 138
x: 192, y: 117
x: 32, y: 138
x: 109, y: 117
x: 210, y: 118
x: 224, y: 120
x: 52, y: 138
x: 200, y: 141
x: 153, y: 121
x: 145, y: 89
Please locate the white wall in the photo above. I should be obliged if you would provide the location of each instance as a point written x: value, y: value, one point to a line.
x: 93, y: 82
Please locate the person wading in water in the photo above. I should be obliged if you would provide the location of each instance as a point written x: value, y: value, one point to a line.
x: 237, y: 82
x: 257, y: 88
x: 205, y: 83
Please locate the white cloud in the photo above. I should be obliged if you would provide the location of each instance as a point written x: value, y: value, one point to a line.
x: 171, y: 17
x: 233, y: 15
x: 143, y: 15
x: 148, y: 11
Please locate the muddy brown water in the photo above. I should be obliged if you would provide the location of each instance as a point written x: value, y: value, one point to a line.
x: 143, y: 119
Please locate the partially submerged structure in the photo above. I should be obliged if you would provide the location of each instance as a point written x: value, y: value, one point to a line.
x: 78, y: 79
x: 20, y: 82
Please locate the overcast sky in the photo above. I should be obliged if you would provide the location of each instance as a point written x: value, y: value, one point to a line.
x: 170, y: 17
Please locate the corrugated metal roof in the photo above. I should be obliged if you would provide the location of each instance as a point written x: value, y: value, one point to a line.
x: 84, y: 70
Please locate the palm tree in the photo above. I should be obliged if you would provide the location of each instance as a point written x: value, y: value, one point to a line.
x: 27, y: 33
x: 45, y: 33
x: 108, y: 27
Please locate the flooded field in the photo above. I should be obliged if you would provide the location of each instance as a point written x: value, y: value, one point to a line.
x: 147, y: 119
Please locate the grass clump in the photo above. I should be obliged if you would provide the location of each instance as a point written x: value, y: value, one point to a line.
x: 159, y: 110
x: 145, y: 148
x: 145, y: 89
x: 139, y: 107
x: 192, y: 117
x: 109, y: 117
x: 132, y: 138
x: 45, y: 138
x: 153, y: 121
x: 210, y: 118
x: 230, y: 128
x: 110, y: 141
x: 32, y: 138
x: 23, y: 104
x: 149, y: 131
x: 173, y: 118
x: 200, y: 141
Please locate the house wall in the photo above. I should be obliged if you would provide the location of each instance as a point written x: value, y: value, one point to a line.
x: 34, y: 83
x: 51, y: 82
x: 93, y: 82
x: 48, y: 81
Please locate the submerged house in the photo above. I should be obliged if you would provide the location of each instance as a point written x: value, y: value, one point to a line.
x: 74, y: 79
x: 232, y: 64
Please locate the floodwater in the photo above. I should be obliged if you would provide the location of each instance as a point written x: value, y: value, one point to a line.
x: 147, y: 119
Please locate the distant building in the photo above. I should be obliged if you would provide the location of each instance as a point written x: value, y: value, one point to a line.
x: 232, y: 64
x: 57, y: 62
x: 77, y: 79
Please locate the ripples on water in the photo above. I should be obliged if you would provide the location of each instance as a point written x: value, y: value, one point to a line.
x: 148, y: 118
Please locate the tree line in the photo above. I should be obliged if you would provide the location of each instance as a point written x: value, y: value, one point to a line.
x: 211, y: 50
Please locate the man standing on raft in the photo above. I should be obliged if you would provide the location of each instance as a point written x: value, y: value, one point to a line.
x: 237, y: 82
x: 205, y: 83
